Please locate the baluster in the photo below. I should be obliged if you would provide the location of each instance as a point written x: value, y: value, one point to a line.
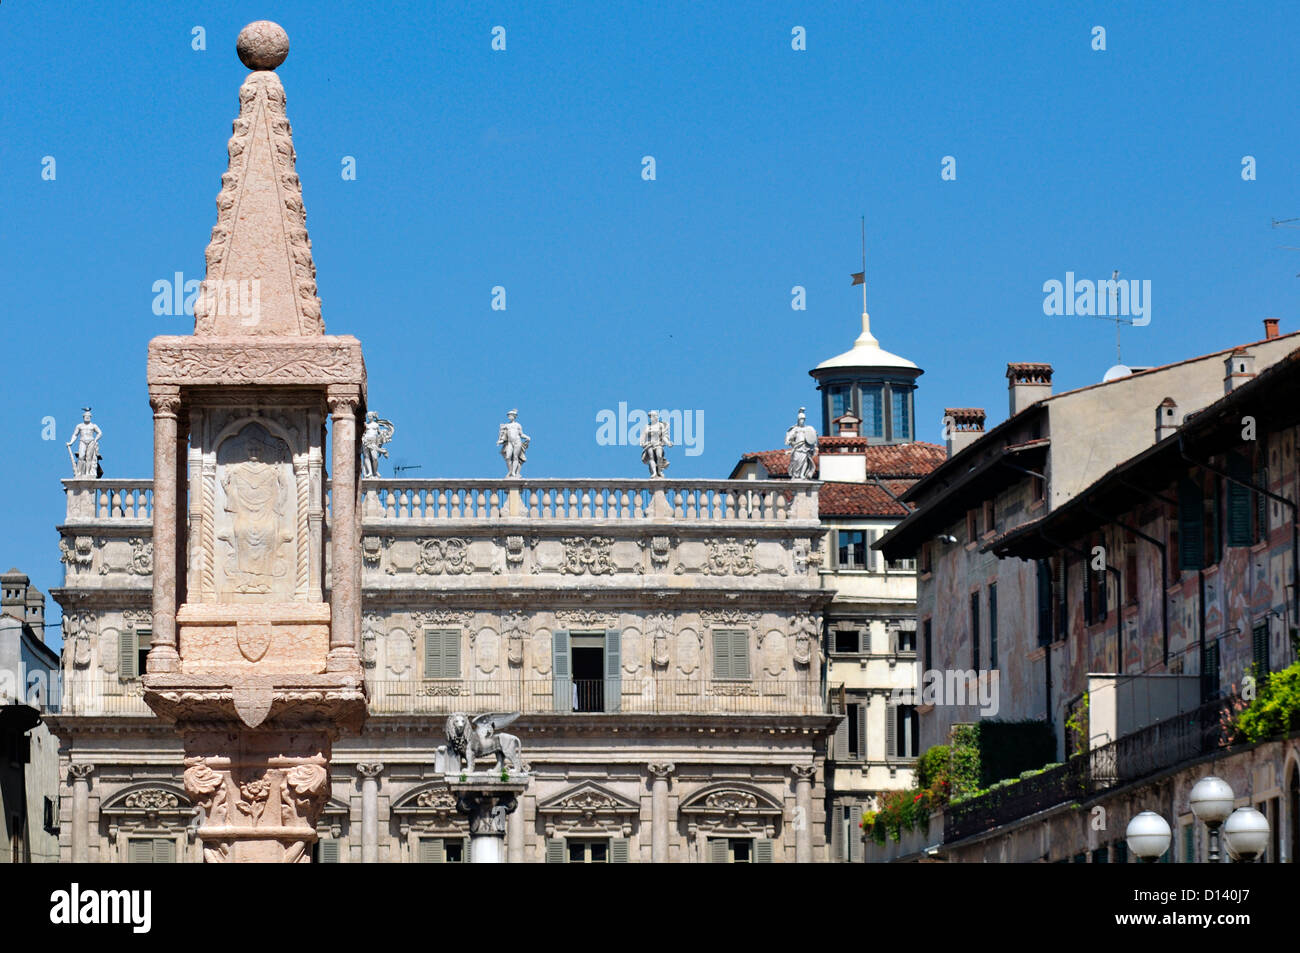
x: 767, y: 505
x: 623, y: 506
x: 115, y: 506
x: 729, y: 512
x: 390, y: 504
x: 494, y: 498
x: 676, y: 499
x: 693, y: 504
x: 481, y: 503
x: 586, y: 504
x: 572, y: 511
x: 780, y: 506
x: 403, y: 507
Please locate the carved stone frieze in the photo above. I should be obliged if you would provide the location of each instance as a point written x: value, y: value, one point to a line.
x: 151, y: 799
x: 514, y: 551
x: 583, y: 555
x: 79, y: 555
x: 729, y: 618
x: 444, y: 556
x: 442, y: 617
x: 731, y: 557
x: 585, y: 619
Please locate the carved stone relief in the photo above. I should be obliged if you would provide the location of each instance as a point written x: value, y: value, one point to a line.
x: 774, y: 652
x: 659, y: 630
x: 486, y: 645
x: 515, y: 628
x: 731, y: 558
x: 582, y: 555
x: 255, y: 516
x: 444, y: 556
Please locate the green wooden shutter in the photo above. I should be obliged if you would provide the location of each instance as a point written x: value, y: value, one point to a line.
x: 1191, y: 526
x: 854, y: 833
x: 1261, y: 501
x: 842, y: 739
x: 740, y: 654
x: 127, y: 658
x: 719, y: 853
x: 721, y: 654
x: 432, y: 654
x: 140, y: 851
x: 1259, y: 648
x: 1044, y: 605
x: 613, y: 669
x: 862, y: 730
x: 763, y: 850
x: 451, y: 653
x: 837, y: 831
x: 164, y: 851
x: 891, y: 731
x: 1189, y: 843
x: 561, y: 683
x: 1240, y: 528
x: 430, y: 850
x: 618, y: 850
x: 329, y: 851
x: 555, y: 847
x: 993, y: 625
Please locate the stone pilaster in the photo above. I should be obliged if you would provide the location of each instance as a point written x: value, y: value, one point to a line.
x: 369, y: 771
x: 659, y: 772
x: 166, y: 403
x: 804, y: 774
x: 345, y: 530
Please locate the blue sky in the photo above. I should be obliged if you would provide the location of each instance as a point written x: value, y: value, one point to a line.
x: 522, y: 169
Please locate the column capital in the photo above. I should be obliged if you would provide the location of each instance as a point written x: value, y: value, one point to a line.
x: 79, y: 772
x: 369, y: 769
x: 804, y: 772
x: 165, y: 399
x: 660, y: 770
x: 343, y: 399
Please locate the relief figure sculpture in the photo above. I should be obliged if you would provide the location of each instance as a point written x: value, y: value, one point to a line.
x: 256, y: 499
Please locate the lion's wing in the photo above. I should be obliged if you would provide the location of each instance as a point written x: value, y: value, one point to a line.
x: 496, y: 719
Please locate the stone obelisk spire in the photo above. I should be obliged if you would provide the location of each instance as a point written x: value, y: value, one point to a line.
x: 254, y: 649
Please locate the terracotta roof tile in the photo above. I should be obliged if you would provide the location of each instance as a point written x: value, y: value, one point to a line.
x: 913, y: 460
x: 858, y: 499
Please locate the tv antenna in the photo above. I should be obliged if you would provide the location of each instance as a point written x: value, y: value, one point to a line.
x: 408, y: 466
x: 1115, y: 315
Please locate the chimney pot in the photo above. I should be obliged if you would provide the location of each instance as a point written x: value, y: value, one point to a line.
x: 1270, y: 328
x: 1027, y: 383
x: 962, y: 426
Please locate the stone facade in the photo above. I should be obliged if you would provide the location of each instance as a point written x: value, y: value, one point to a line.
x: 683, y: 618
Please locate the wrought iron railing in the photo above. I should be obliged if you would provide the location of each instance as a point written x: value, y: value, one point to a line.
x: 1141, y: 754
x: 662, y: 696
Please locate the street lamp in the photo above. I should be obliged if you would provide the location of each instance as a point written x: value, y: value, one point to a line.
x: 1211, y: 800
x: 1245, y: 834
x: 1148, y: 836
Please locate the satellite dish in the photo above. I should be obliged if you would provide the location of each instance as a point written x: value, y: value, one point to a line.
x: 1116, y: 372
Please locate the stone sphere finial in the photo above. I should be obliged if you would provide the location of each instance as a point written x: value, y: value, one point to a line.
x: 262, y: 45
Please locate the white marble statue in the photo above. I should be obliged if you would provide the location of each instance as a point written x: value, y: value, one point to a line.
x: 85, y: 462
x: 470, y: 739
x: 513, y: 443
x: 377, y: 433
x: 256, y: 498
x: 802, y: 441
x: 655, y: 439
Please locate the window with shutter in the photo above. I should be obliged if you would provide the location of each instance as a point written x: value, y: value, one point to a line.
x: 1261, y: 501
x: 1189, y: 843
x: 143, y: 642
x: 1210, y: 672
x: 993, y: 625
x: 164, y: 851
x: 140, y: 850
x: 719, y: 853
x: 975, y: 630
x: 740, y: 654
x: 842, y: 739
x: 730, y: 653
x: 835, y: 816
x: 721, y: 654
x: 555, y: 848
x: 861, y: 751
x: 763, y: 849
x: 613, y: 670
x: 430, y: 850
x: 329, y: 850
x: 442, y: 653
x: 127, y: 656
x: 1259, y: 647
x: 1191, y: 525
x: 618, y: 850
x: 561, y: 675
x: 854, y: 833
x: 1062, y: 598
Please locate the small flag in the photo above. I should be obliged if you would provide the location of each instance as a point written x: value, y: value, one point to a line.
x: 859, y: 277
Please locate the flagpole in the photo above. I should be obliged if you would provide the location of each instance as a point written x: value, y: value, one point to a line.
x: 864, y: 264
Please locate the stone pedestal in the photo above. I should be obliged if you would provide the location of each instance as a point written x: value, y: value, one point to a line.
x: 488, y: 801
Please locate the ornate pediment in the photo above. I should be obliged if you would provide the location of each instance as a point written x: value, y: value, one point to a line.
x: 435, y: 800
x: 732, y: 804
x: 149, y: 799
x: 588, y: 801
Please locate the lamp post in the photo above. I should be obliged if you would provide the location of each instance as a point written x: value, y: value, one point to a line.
x: 1148, y: 836
x: 1245, y: 834
x: 1211, y: 801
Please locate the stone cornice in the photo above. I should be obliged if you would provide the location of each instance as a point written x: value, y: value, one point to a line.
x: 646, y: 597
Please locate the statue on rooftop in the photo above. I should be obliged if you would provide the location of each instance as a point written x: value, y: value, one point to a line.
x: 513, y: 443
x: 802, y: 441
x: 377, y: 433
x: 655, y: 438
x: 85, y: 462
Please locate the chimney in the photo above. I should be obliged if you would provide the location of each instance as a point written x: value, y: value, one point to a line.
x: 1270, y: 328
x: 962, y: 426
x: 1027, y: 384
x: 1238, y: 368
x: 847, y: 425
x: 1167, y: 418
x: 13, y: 594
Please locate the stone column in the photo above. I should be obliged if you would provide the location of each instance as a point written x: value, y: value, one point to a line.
x: 803, y: 779
x: 659, y: 811
x: 515, y: 836
x: 369, y: 771
x: 488, y: 803
x: 79, y: 777
x: 166, y: 402
x: 345, y: 530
